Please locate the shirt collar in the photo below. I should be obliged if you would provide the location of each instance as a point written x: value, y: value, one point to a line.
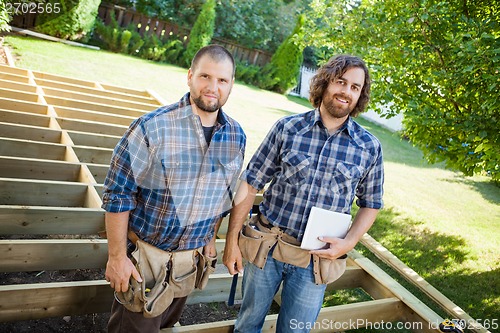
x: 185, y: 110
x: 314, y: 119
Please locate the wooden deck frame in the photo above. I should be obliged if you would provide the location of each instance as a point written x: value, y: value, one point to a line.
x: 51, y: 189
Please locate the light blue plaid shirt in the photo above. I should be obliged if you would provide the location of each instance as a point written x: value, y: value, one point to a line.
x: 173, y: 183
x: 307, y: 167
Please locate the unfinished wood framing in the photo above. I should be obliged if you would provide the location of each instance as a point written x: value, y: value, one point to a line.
x: 56, y: 139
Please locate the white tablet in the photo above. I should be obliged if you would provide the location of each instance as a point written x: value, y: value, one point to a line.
x: 327, y: 223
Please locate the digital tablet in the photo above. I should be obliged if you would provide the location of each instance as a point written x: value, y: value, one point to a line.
x: 327, y: 223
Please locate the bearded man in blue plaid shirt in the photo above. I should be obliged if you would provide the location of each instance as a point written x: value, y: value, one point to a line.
x: 171, y: 181
x: 321, y: 158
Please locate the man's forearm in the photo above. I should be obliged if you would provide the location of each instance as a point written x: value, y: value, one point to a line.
x: 362, y: 222
x: 116, y: 230
x: 244, y: 200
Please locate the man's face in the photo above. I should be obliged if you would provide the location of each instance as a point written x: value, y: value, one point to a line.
x: 210, y: 83
x: 342, y: 94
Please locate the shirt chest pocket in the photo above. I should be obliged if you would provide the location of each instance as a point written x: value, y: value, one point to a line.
x: 295, y: 168
x: 346, y: 178
x: 176, y: 171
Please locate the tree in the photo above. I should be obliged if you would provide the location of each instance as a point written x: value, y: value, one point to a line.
x: 73, y: 19
x: 202, y: 31
x: 437, y: 62
x: 285, y: 63
x: 4, y: 18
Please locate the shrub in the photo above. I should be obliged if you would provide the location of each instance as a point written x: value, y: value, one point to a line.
x: 4, y: 18
x: 202, y: 31
x: 281, y: 74
x: 75, y: 19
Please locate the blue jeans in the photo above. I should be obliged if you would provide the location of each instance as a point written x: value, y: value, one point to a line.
x: 301, y: 298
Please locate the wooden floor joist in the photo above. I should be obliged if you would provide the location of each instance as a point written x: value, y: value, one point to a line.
x: 56, y: 139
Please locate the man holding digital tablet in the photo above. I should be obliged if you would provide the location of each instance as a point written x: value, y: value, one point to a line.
x: 322, y: 159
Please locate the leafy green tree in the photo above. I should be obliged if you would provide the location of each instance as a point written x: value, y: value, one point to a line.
x: 436, y: 62
x: 72, y: 19
x: 202, y: 31
x: 4, y: 18
x: 257, y: 24
x: 285, y: 63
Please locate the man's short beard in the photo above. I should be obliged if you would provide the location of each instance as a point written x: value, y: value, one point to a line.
x: 204, y: 107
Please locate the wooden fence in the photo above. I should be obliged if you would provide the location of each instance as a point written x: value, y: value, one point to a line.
x: 128, y: 18
x: 56, y: 139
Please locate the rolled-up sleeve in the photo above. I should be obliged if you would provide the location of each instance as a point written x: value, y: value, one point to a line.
x: 128, y: 164
x: 371, y: 189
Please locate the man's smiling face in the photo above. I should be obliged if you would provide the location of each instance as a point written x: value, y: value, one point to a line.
x: 342, y: 94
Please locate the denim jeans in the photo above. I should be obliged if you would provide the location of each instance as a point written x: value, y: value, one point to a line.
x: 301, y: 298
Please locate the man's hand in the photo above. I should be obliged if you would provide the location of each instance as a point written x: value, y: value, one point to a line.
x: 232, y: 258
x: 335, y: 248
x: 210, y: 250
x: 118, y: 272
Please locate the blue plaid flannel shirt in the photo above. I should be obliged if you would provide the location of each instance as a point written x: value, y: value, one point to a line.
x: 174, y: 184
x: 306, y: 167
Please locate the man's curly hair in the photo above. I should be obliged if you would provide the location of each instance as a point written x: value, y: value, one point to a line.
x: 334, y: 69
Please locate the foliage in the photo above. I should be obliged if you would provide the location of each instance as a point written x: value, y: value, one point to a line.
x: 202, y: 31
x: 4, y: 18
x: 285, y: 63
x: 257, y: 24
x: 129, y: 41
x: 254, y: 23
x: 437, y: 62
x: 75, y: 19
x: 250, y: 74
x: 181, y: 12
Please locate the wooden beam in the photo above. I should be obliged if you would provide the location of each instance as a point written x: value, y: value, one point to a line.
x: 413, y: 277
x: 17, y: 86
x: 19, y: 95
x: 94, y: 91
x: 31, y: 149
x: 57, y: 299
x: 330, y: 319
x: 27, y: 168
x: 99, y: 172
x: 94, y: 140
x: 52, y: 254
x: 105, y: 100
x: 41, y: 193
x: 15, y: 117
x: 62, y: 79
x: 91, y: 127
x: 17, y: 131
x: 13, y: 70
x: 413, y: 303
x: 71, y: 103
x: 10, y: 77
x: 100, y: 117
x: 22, y: 106
x: 93, y: 155
x: 26, y: 220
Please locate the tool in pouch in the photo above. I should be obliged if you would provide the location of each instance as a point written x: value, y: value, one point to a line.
x: 165, y: 276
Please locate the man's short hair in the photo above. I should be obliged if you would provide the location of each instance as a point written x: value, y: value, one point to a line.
x: 334, y: 69
x: 214, y: 51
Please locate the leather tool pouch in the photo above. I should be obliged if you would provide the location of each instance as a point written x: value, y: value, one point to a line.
x: 165, y: 276
x: 327, y: 270
x: 255, y: 244
x: 206, y: 266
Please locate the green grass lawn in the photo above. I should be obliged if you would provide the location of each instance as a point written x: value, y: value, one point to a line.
x: 443, y: 225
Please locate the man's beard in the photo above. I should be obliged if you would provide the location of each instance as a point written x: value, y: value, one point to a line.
x: 205, y: 106
x: 334, y: 110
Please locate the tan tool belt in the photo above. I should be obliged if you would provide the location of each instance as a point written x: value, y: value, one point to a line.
x: 165, y: 276
x: 256, y: 240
